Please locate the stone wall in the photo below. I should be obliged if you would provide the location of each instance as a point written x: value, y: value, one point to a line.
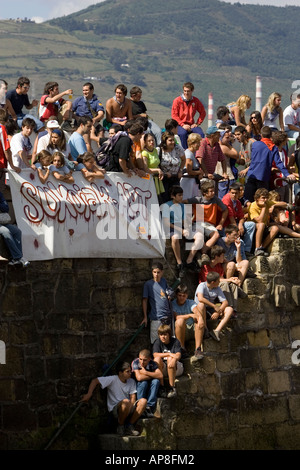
x: 62, y: 321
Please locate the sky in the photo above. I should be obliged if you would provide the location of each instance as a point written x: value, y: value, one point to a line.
x: 43, y: 10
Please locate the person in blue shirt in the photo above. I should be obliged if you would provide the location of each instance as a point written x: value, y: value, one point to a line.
x: 235, y: 256
x: 88, y: 104
x: 156, y: 299
x: 77, y: 143
x: 263, y: 153
x: 173, y: 221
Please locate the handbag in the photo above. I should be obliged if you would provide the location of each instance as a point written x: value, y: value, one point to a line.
x: 4, y: 218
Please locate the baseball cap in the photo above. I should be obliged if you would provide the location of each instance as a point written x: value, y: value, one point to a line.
x: 212, y: 130
x: 52, y: 124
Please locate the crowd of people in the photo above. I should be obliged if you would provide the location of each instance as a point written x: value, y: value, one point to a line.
x: 225, y: 193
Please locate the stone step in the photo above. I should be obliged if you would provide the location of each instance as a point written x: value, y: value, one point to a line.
x: 115, y: 442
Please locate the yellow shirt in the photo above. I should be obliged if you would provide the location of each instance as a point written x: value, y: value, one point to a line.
x: 255, y: 210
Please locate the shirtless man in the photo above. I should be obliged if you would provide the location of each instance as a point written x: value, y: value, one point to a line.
x: 119, y: 108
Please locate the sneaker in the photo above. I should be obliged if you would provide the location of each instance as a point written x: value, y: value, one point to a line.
x: 120, y: 429
x: 148, y: 412
x: 14, y: 262
x: 198, y: 355
x: 24, y: 262
x: 259, y: 252
x: 172, y: 393
x: 215, y: 335
x: 130, y: 431
x: 181, y: 271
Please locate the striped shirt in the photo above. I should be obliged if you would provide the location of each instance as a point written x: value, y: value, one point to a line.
x: 210, y: 155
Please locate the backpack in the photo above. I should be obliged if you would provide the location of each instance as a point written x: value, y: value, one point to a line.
x: 104, y: 157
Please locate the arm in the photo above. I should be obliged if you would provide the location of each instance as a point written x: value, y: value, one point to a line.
x: 43, y: 176
x: 263, y: 113
x: 189, y: 169
x: 32, y: 104
x: 143, y: 374
x: 94, y: 383
x: 98, y: 117
x: 237, y: 116
x: 24, y: 157
x: 202, y: 114
x: 10, y: 109
x: 58, y: 97
x: 124, y: 167
x: 222, y: 220
x: 281, y: 123
x: 8, y: 157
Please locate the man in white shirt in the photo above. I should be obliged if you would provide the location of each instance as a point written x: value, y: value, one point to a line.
x: 291, y: 117
x: 121, y: 398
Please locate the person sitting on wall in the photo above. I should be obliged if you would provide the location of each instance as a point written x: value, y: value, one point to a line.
x: 121, y: 398
x: 184, y: 108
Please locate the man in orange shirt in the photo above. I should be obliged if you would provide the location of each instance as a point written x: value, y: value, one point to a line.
x: 212, y: 216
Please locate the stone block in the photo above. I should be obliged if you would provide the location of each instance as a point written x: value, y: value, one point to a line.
x: 102, y: 298
x: 284, y: 357
x: 258, y: 339
x: 254, y: 286
x: 281, y: 245
x: 260, y: 265
x: 249, y: 358
x: 279, y: 337
x: 294, y: 406
x: 233, y: 385
x: 280, y: 295
x: 278, y: 381
x: 70, y: 345
x: 16, y: 299
x: 34, y: 369
x: 193, y: 424
x: 295, y: 332
x: 288, y: 436
x: 7, y: 390
x: 268, y: 358
x: 256, y: 382
x: 227, y: 362
x: 115, y: 322
x: 22, y: 332
x: 223, y: 441
x: 12, y: 413
x: 295, y: 291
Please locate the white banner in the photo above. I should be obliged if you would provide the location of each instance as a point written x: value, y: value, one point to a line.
x: 114, y: 217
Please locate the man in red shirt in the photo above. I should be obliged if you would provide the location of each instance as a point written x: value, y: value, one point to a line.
x: 184, y: 108
x: 53, y: 104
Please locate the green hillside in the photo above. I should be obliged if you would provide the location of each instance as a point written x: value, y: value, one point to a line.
x: 159, y: 45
